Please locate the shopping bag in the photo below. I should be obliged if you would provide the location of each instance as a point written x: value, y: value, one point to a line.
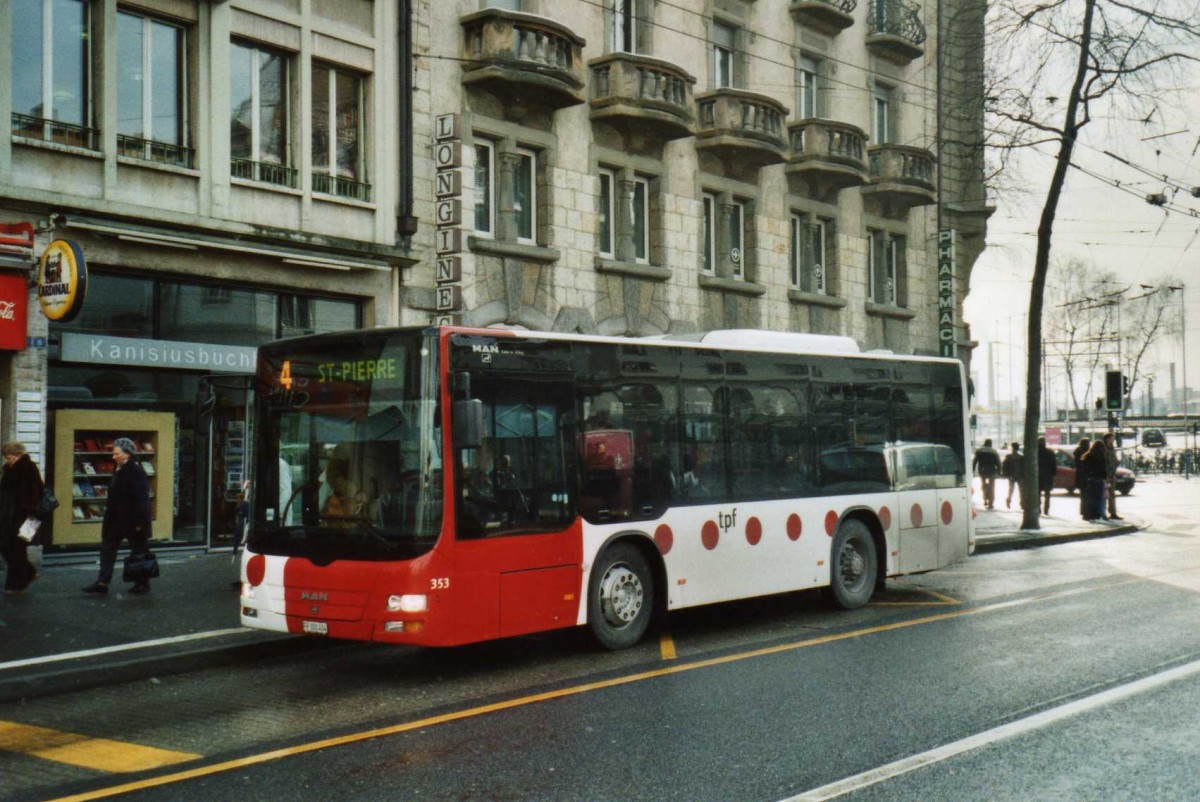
x: 29, y: 529
x: 49, y: 503
x: 140, y: 567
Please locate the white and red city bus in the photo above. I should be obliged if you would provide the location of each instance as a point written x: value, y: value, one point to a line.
x: 440, y: 486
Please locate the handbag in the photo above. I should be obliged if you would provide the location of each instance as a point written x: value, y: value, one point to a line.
x: 29, y: 529
x: 49, y: 503
x: 140, y: 567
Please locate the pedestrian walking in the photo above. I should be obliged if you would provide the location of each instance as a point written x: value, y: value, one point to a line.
x: 126, y: 515
x: 986, y: 466
x: 1111, y: 461
x: 20, y: 499
x: 1084, y: 444
x: 1047, y: 468
x: 1011, y: 469
x: 1095, y: 470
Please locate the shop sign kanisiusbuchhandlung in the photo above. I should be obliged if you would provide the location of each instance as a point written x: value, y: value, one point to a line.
x: 62, y: 280
x: 99, y: 349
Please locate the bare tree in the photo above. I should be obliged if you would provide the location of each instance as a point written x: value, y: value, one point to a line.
x: 1107, y: 57
x: 1079, y: 323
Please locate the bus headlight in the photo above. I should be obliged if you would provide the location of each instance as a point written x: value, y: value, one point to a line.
x: 408, y: 603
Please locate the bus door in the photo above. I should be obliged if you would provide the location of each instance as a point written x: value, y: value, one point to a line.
x: 954, y: 506
x: 518, y: 548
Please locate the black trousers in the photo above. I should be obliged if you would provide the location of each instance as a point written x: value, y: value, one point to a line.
x: 20, y: 570
x: 108, y: 553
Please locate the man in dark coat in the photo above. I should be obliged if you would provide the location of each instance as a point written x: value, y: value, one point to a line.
x: 126, y: 515
x: 20, y: 498
x: 1047, y: 468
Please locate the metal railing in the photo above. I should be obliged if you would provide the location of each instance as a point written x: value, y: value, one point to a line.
x: 263, y: 171
x: 845, y: 6
x: 79, y: 136
x: 896, y: 18
x: 342, y: 187
x: 152, y: 151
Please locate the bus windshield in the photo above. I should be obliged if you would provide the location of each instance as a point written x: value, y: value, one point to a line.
x: 349, y: 449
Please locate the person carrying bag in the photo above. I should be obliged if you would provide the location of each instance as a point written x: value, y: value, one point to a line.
x: 21, y: 489
x: 126, y: 517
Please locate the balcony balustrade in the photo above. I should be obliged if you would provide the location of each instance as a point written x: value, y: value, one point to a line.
x: 523, y: 58
x: 744, y: 126
x: 900, y: 176
x: 827, y: 154
x: 827, y: 16
x: 640, y: 94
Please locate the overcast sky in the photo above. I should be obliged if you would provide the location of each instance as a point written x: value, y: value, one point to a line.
x: 1099, y: 223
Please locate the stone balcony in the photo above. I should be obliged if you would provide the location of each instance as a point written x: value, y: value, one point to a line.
x: 523, y: 58
x: 895, y: 31
x: 900, y: 176
x: 828, y: 155
x: 639, y: 94
x: 741, y: 126
x: 826, y: 16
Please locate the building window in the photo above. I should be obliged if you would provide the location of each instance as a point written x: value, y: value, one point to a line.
x: 524, y: 200
x: 259, y: 131
x: 607, y: 246
x: 886, y: 263
x: 625, y: 26
x: 337, y: 128
x: 737, y: 238
x: 708, y: 248
x: 724, y: 43
x: 485, y: 220
x: 151, y: 86
x: 807, y: 85
x: 882, y: 123
x: 808, y: 256
x: 639, y: 203
x: 51, y: 73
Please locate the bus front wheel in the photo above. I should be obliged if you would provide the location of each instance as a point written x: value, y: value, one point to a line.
x: 852, y: 567
x: 620, y: 596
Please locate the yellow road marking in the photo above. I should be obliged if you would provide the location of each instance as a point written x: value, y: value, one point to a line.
x: 942, y: 600
x: 666, y: 645
x: 101, y: 754
x: 562, y: 693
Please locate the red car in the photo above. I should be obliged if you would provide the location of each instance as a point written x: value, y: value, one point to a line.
x: 1064, y: 477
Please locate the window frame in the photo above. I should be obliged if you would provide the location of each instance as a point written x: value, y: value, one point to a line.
x: 888, y: 270
x: 489, y: 201
x: 286, y: 165
x: 148, y: 22
x: 624, y: 33
x: 737, y: 238
x: 604, y: 211
x: 882, y: 118
x: 724, y: 56
x: 808, y: 87
x: 55, y: 127
x: 530, y: 239
x: 332, y: 169
x: 708, y: 233
x: 640, y: 211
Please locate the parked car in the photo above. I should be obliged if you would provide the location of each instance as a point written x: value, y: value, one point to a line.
x: 1064, y: 476
x: 1153, y: 438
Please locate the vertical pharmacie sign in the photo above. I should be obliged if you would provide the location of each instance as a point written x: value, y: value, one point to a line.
x: 62, y: 280
x: 448, y: 236
x: 946, y: 295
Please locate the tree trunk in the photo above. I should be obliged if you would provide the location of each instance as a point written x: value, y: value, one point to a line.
x: 1041, y: 266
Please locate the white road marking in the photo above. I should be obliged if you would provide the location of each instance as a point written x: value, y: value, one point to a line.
x: 124, y: 647
x: 988, y: 737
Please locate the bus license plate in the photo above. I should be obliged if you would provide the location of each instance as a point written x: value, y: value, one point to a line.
x: 316, y: 628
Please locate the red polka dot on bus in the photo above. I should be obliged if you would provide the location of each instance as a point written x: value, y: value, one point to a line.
x: 947, y: 512
x: 794, y: 526
x: 753, y: 531
x: 709, y: 535
x: 664, y: 538
x: 885, y: 518
x: 917, y: 515
x: 831, y: 522
x: 256, y: 569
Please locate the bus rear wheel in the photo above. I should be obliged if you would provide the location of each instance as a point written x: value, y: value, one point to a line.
x: 852, y: 566
x: 620, y: 596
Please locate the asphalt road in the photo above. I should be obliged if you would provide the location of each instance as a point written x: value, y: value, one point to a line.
x: 1070, y: 672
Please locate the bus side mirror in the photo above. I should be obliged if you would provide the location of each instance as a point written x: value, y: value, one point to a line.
x: 468, y: 423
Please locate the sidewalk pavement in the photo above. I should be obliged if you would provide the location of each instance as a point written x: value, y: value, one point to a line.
x: 54, y: 638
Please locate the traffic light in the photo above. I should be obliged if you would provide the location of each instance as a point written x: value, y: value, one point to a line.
x: 1114, y: 387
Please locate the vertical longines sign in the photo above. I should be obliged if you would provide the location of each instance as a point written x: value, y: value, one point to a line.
x: 62, y: 280
x: 448, y: 236
x: 946, y: 295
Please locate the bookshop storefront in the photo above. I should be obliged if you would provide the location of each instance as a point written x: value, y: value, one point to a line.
x: 167, y: 363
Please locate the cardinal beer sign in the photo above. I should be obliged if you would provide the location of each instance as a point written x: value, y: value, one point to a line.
x: 62, y: 281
